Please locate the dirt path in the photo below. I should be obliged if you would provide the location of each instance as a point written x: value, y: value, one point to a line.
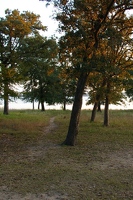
x: 51, y: 126
x: 7, y: 195
x: 33, y: 153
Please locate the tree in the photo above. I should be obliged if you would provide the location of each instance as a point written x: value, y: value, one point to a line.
x: 113, y: 62
x: 96, y: 84
x: 83, y: 23
x: 38, y: 66
x: 13, y: 28
x: 117, y: 59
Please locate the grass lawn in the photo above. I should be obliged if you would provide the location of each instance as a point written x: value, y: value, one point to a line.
x: 34, y: 164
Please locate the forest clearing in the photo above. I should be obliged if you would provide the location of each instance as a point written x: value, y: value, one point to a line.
x: 34, y: 164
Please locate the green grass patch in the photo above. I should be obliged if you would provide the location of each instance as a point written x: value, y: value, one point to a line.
x: 33, y: 160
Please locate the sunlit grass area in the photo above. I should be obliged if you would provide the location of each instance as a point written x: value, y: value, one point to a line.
x: 33, y: 160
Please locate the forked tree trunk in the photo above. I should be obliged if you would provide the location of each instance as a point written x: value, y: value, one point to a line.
x: 76, y: 110
x: 94, y: 110
x: 99, y: 107
x: 106, y: 112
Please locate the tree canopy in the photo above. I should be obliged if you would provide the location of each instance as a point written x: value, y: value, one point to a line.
x: 38, y: 66
x: 13, y: 29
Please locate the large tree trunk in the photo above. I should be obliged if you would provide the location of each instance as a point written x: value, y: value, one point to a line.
x: 106, y: 112
x: 75, y: 114
x: 93, y: 114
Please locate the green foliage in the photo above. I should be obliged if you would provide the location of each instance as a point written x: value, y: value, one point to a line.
x: 13, y: 28
x: 112, y: 62
x: 39, y: 63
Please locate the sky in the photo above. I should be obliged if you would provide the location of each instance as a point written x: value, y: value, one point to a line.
x: 35, y: 6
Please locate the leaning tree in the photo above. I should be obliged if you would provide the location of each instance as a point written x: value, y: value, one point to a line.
x: 84, y: 22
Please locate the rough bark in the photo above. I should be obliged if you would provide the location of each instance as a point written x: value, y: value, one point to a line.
x: 75, y: 114
x: 106, y: 112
